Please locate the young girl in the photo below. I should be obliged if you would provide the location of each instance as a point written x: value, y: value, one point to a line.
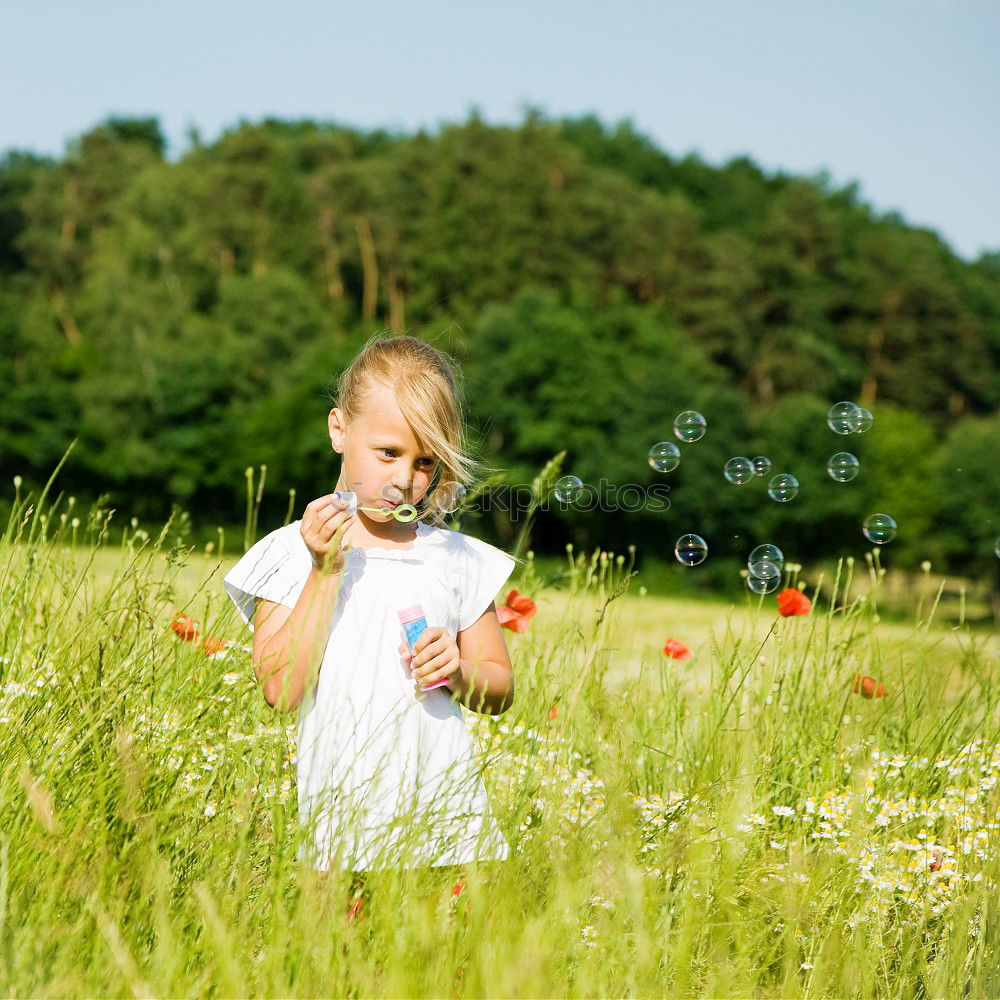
x: 387, y: 774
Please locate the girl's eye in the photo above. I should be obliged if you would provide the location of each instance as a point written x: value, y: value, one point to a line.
x: 426, y: 462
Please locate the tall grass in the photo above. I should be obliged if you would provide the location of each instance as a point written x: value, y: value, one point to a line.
x: 763, y: 831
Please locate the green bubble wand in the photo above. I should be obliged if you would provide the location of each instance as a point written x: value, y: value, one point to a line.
x: 405, y: 512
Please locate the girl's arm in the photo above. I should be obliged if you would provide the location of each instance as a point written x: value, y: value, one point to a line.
x: 289, y: 643
x: 485, y: 680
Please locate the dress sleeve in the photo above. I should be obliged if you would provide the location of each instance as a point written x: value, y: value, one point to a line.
x: 483, y: 570
x: 267, y: 570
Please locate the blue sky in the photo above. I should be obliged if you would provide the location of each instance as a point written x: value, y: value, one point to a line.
x: 902, y: 96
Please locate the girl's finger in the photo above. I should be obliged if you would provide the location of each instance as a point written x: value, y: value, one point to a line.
x: 435, y: 648
x: 424, y: 671
x: 429, y: 640
x: 336, y: 523
x: 429, y: 635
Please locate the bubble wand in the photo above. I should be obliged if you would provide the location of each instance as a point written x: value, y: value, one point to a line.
x: 405, y: 512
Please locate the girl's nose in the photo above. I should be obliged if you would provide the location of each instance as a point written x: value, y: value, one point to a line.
x: 393, y: 492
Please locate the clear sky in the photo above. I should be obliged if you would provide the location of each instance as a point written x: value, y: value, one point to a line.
x: 902, y: 96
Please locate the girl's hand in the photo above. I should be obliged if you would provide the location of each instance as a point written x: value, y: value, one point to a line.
x: 326, y: 530
x: 434, y: 658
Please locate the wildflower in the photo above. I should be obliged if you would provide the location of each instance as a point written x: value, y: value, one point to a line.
x: 791, y: 601
x: 212, y: 645
x: 184, y: 627
x: 868, y: 687
x: 354, y: 911
x: 936, y: 860
x: 516, y: 612
x: 676, y: 650
x: 553, y: 712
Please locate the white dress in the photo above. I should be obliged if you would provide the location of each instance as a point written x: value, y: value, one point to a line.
x: 384, y: 777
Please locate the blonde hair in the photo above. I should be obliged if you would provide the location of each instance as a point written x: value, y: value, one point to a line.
x: 427, y: 386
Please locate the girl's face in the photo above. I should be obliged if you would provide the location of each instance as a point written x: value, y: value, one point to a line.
x: 381, y: 461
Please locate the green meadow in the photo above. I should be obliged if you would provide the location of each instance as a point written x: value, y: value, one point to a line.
x: 737, y: 823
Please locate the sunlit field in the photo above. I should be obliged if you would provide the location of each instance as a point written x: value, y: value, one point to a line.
x: 740, y: 822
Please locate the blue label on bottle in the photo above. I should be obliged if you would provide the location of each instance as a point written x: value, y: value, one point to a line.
x: 414, y: 630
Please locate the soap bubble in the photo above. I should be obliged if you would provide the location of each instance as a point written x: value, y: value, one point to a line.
x: 996, y: 548
x: 843, y: 467
x: 842, y: 417
x: 689, y: 426
x: 783, y: 488
x: 767, y: 553
x: 691, y: 550
x: 863, y: 421
x: 762, y: 465
x: 739, y: 470
x: 759, y: 585
x: 448, y: 497
x: 764, y: 570
x: 664, y: 456
x: 568, y: 488
x: 879, y: 529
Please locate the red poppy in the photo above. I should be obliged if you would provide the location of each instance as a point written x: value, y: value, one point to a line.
x: 212, y: 645
x: 516, y: 612
x: 676, y: 650
x: 791, y: 601
x: 456, y: 889
x: 868, y: 687
x: 354, y: 911
x: 937, y: 859
x: 184, y: 627
x: 553, y: 712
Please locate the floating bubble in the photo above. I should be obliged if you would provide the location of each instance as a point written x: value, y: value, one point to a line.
x: 879, y: 529
x: 783, y: 488
x: 691, y: 550
x: 761, y: 466
x: 759, y: 585
x: 764, y: 570
x: 689, y: 426
x: 448, y: 497
x: 996, y: 548
x: 842, y: 417
x: 664, y: 456
x: 843, y: 467
x: 568, y: 488
x: 767, y: 553
x: 863, y: 421
x: 738, y: 470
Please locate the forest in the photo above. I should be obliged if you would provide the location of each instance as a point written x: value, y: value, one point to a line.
x: 183, y: 319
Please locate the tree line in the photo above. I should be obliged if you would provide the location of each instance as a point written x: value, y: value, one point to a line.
x: 184, y: 318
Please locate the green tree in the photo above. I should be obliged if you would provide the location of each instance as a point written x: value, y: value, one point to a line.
x: 967, y: 485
